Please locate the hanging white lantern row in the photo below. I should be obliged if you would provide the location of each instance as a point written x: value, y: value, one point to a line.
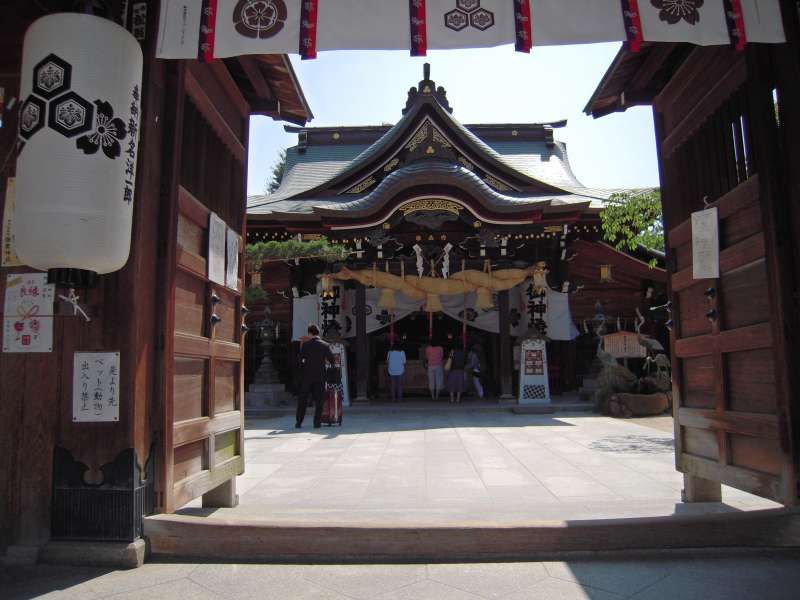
x: 78, y: 132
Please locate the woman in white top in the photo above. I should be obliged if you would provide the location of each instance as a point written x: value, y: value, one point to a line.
x: 396, y: 363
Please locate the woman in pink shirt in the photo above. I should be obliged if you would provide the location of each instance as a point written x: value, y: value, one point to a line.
x: 433, y: 358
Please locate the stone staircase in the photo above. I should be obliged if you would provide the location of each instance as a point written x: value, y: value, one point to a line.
x: 266, y: 392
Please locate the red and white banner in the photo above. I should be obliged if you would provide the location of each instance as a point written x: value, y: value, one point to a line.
x: 222, y: 28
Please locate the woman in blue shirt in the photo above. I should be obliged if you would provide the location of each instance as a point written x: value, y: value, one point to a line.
x: 396, y: 363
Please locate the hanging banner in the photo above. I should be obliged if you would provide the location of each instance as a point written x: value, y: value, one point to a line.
x: 534, y: 384
x: 209, y: 29
x: 95, y: 387
x: 28, y: 313
x: 10, y: 258
x: 309, y: 309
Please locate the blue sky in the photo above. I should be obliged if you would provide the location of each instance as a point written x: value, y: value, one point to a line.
x: 494, y: 85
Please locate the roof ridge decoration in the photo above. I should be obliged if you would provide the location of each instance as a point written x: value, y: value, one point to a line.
x: 427, y: 87
x: 428, y: 141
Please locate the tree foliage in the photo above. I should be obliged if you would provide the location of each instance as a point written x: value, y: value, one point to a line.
x: 277, y: 172
x: 321, y: 249
x: 633, y: 219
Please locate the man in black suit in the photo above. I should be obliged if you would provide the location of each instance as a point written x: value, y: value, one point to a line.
x: 314, y: 353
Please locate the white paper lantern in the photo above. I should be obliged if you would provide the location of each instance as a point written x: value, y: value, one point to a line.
x: 78, y: 131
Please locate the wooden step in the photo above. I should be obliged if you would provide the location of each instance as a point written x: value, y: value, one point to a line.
x: 208, y: 538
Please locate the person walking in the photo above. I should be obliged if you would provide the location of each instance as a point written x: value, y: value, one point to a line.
x: 474, y: 368
x: 396, y: 364
x: 455, y: 377
x: 314, y: 353
x: 434, y: 356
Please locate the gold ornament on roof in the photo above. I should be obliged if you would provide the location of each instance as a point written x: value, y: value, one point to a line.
x: 438, y: 138
x: 465, y: 163
x: 496, y: 184
x: 420, y: 136
x: 358, y: 188
x: 431, y: 204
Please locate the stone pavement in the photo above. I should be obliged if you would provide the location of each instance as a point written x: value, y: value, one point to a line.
x: 462, y: 465
x: 706, y: 577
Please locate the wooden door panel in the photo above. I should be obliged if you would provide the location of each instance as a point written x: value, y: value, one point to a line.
x: 751, y: 381
x: 724, y: 355
x: 206, y: 415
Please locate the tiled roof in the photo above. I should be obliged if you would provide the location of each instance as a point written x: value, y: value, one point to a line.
x: 319, y: 166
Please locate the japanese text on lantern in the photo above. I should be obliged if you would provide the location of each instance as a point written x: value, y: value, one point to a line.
x: 95, y: 387
x: 130, y: 151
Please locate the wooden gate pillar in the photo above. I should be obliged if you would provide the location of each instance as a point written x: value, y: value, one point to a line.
x: 505, y: 345
x: 362, y: 348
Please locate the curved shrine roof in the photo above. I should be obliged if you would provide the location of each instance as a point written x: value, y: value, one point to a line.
x: 353, y: 171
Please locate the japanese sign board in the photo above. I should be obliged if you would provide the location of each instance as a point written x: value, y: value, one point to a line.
x: 705, y: 244
x: 10, y: 258
x: 624, y: 344
x: 216, y: 249
x: 28, y: 313
x: 534, y: 362
x: 534, y: 385
x: 95, y: 387
x: 232, y: 266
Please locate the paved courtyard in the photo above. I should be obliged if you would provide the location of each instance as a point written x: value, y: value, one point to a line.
x: 462, y: 465
x: 748, y: 577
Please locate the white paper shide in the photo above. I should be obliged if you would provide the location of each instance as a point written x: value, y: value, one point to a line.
x: 232, y: 264
x: 216, y: 249
x: 95, y: 387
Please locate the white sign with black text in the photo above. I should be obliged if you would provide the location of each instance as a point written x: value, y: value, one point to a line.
x: 705, y: 244
x: 95, y: 387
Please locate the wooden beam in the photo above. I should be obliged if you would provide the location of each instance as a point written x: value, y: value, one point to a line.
x: 657, y: 55
x: 232, y: 90
x: 256, y: 78
x: 215, y: 119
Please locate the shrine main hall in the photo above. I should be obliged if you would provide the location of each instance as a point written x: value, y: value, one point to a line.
x: 476, y: 234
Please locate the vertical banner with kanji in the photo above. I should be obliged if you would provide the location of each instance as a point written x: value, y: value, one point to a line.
x: 95, y: 387
x: 28, y: 313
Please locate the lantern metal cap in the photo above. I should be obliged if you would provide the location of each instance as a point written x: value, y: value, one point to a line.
x: 72, y: 278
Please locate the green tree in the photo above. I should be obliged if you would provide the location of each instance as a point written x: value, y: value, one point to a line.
x: 631, y: 219
x: 277, y: 172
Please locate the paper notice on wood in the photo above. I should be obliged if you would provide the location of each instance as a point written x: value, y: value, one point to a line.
x: 10, y: 258
x: 232, y: 266
x: 28, y: 313
x: 95, y: 387
x: 705, y: 244
x: 216, y: 249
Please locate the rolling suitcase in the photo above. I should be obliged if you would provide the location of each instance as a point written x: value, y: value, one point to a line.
x: 332, y: 406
